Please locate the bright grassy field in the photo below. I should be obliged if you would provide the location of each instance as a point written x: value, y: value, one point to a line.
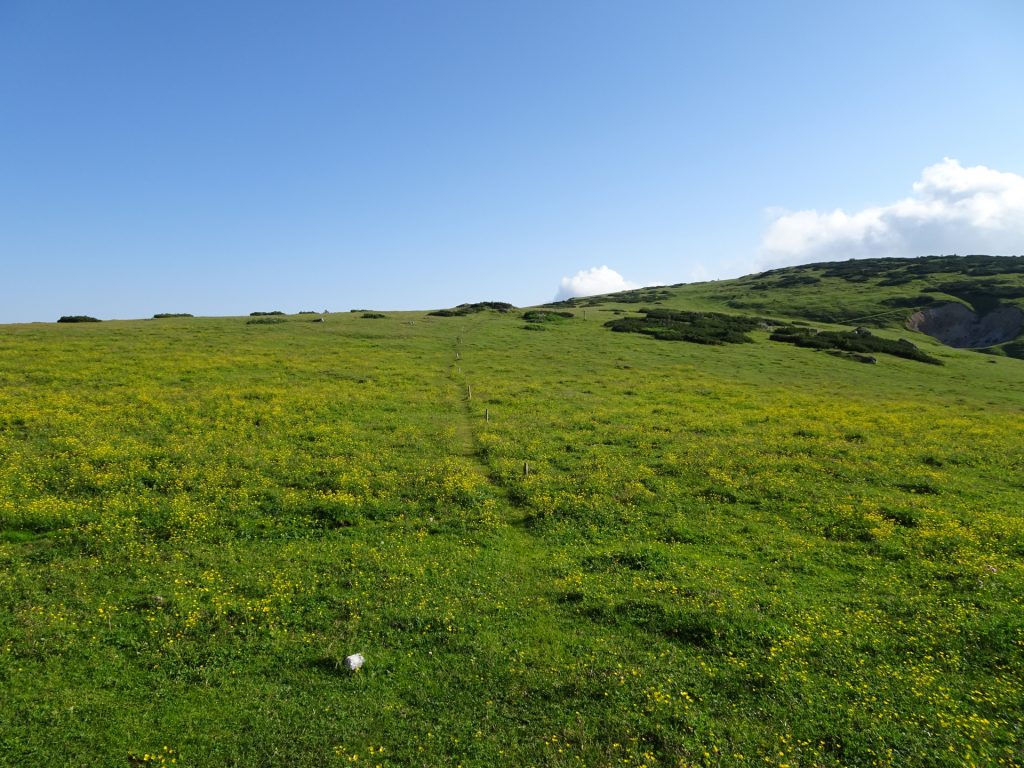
x: 721, y: 556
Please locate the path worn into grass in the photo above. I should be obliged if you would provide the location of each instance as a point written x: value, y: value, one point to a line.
x: 463, y: 419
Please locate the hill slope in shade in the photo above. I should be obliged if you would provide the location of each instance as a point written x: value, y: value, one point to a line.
x: 554, y: 544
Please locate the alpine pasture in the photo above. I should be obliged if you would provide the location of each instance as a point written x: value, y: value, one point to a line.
x: 554, y: 544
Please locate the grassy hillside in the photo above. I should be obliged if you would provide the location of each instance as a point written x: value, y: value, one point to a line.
x: 880, y: 293
x: 555, y: 544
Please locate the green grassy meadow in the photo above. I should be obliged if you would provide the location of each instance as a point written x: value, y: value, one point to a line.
x: 747, y: 554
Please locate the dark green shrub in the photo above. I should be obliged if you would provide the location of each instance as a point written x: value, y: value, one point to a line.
x: 266, y: 314
x: 164, y: 315
x: 695, y: 327
x: 545, y: 316
x: 858, y: 341
x: 787, y: 281
x: 265, y: 321
x: 635, y: 296
x: 373, y: 315
x: 469, y: 309
x: 78, y: 319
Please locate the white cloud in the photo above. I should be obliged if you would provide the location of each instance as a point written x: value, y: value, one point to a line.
x: 590, y: 282
x: 952, y: 210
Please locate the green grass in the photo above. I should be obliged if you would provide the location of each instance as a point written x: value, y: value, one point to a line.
x: 748, y: 554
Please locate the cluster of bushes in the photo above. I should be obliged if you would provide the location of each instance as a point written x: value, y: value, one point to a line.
x: 860, y: 341
x: 78, y: 319
x: 469, y: 309
x: 893, y: 272
x: 266, y: 314
x: 836, y: 315
x: 546, y: 316
x: 696, y: 327
x: 373, y: 315
x: 265, y: 320
x: 900, y: 271
x: 787, y: 281
x: 634, y: 296
x: 163, y: 315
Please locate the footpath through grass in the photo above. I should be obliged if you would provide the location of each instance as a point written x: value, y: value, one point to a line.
x: 742, y: 555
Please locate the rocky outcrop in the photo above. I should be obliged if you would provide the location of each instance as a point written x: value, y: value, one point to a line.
x: 957, y: 326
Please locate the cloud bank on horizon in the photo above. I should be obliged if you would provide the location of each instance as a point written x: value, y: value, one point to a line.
x: 952, y: 209
x: 591, y: 282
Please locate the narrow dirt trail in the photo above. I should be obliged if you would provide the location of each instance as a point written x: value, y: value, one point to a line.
x: 463, y: 418
x: 466, y: 423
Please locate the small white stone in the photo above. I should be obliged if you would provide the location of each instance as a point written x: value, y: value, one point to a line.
x: 354, y: 662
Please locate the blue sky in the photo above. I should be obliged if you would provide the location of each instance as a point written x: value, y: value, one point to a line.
x: 224, y: 157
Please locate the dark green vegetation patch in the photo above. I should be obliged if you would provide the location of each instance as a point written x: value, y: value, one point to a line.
x: 266, y: 314
x: 265, y: 320
x: 165, y: 315
x: 470, y: 309
x: 696, y: 327
x: 373, y: 316
x: 860, y: 341
x: 546, y: 316
x: 78, y: 319
x: 634, y: 296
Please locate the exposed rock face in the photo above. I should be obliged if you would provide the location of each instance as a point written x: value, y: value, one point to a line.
x: 957, y: 326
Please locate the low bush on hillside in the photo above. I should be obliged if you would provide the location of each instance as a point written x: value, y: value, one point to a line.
x: 373, y: 315
x: 695, y: 327
x: 787, y: 281
x: 164, y: 315
x: 546, y: 316
x: 860, y: 340
x: 265, y: 321
x: 266, y: 314
x: 78, y: 319
x: 635, y: 296
x: 469, y: 309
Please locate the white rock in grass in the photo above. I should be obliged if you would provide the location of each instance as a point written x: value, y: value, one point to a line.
x: 354, y: 662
